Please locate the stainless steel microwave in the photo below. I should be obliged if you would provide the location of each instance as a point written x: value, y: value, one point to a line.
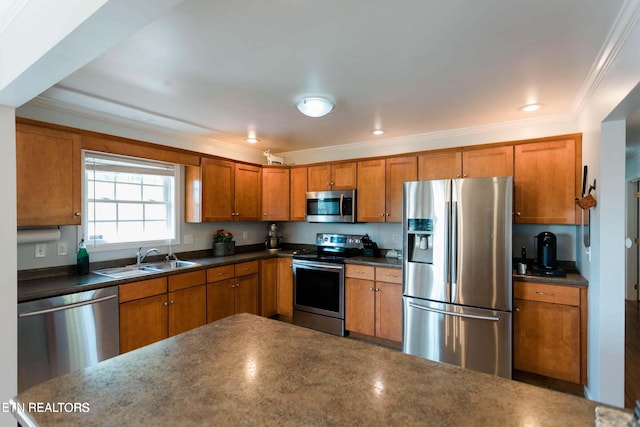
x: 331, y: 206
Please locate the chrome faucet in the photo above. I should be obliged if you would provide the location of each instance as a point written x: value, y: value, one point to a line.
x: 140, y: 257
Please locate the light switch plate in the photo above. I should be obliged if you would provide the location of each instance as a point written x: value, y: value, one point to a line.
x: 62, y: 248
x: 188, y: 239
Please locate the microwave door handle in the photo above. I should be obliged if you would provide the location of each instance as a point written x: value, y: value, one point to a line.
x: 341, y: 203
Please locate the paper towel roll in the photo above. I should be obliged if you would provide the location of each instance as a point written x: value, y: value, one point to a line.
x: 38, y: 235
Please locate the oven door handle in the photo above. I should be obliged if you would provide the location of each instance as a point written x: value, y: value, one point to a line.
x: 317, y: 265
x: 341, y: 203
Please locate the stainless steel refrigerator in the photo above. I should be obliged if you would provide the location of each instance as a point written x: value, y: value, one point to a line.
x: 457, y: 297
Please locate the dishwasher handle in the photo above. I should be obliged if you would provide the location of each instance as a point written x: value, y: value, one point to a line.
x: 66, y: 307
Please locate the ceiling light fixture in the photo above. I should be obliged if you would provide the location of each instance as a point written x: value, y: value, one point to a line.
x: 315, y: 106
x: 530, y: 107
x: 252, y: 140
x: 377, y: 132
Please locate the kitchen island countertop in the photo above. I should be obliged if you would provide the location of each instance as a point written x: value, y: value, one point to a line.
x: 249, y: 370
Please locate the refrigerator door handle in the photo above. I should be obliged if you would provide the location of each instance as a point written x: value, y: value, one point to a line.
x: 447, y: 247
x: 449, y: 313
x: 453, y: 256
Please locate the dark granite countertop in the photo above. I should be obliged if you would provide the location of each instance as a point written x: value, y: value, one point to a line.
x: 375, y: 261
x: 249, y: 370
x: 572, y: 279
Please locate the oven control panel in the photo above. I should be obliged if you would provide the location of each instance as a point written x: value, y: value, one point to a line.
x: 339, y: 240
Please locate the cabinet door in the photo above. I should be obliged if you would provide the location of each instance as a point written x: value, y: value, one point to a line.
x: 268, y: 287
x: 187, y: 309
x: 344, y: 176
x: 444, y: 165
x: 285, y: 287
x: 298, y: 195
x: 546, y: 339
x: 359, y: 307
x: 246, y: 298
x: 319, y: 177
x: 398, y: 171
x: 142, y: 322
x: 371, y: 194
x: 218, y: 188
x: 389, y: 311
x: 48, y: 177
x: 545, y: 182
x: 487, y: 162
x: 275, y: 194
x: 220, y: 299
x: 248, y: 193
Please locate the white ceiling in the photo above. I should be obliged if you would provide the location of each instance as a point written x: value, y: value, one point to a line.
x: 223, y: 69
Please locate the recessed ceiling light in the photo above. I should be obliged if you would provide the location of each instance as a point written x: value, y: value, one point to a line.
x: 252, y: 140
x: 315, y: 106
x: 530, y: 107
x: 377, y: 131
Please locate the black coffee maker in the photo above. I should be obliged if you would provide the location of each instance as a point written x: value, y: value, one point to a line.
x: 546, y: 263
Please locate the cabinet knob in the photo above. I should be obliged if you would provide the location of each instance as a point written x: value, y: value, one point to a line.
x: 517, y: 309
x: 518, y: 213
x: 457, y: 175
x: 237, y: 285
x: 265, y: 214
x: 165, y: 304
x: 382, y: 214
x: 387, y: 214
x: 465, y: 175
x: 370, y: 289
x: 377, y: 290
x: 172, y: 301
x: 76, y: 213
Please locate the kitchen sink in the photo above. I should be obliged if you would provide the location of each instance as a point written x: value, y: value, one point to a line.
x: 168, y: 265
x: 124, y: 272
x: 141, y: 270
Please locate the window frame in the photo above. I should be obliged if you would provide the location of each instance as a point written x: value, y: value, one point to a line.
x: 175, y: 211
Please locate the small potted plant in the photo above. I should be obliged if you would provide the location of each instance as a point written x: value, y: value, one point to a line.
x: 223, y: 243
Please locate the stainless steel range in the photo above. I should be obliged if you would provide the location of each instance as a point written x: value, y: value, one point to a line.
x: 318, y: 291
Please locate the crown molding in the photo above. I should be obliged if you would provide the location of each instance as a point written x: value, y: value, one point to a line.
x: 625, y: 22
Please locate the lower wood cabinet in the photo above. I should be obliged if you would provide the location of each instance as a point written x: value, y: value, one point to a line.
x: 373, y: 301
x: 232, y: 289
x: 285, y: 287
x: 550, y: 330
x: 269, y: 287
x: 152, y: 310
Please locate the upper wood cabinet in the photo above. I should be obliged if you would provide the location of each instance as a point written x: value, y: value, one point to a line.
x: 473, y: 163
x: 220, y: 190
x: 332, y: 176
x: 380, y: 184
x: 48, y: 174
x: 275, y: 194
x: 298, y: 194
x: 546, y: 181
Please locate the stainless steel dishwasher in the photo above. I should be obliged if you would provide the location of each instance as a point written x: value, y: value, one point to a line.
x: 62, y: 334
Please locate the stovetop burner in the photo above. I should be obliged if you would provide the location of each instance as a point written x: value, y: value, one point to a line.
x: 334, y: 248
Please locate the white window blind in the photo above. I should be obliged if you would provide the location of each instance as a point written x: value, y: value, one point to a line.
x: 128, y: 200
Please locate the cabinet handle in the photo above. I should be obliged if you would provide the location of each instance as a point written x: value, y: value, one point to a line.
x: 165, y: 304
x: 518, y: 213
x: 76, y: 213
x: 377, y: 290
x: 172, y: 301
x: 465, y: 175
x: 382, y: 214
x: 265, y: 214
x: 387, y: 214
x: 458, y: 176
x: 545, y: 293
x: 237, y: 285
x: 517, y: 309
x: 290, y: 265
x: 370, y: 289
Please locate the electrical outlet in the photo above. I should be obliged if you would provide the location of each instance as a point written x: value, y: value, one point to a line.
x: 394, y: 237
x: 188, y: 239
x: 244, y: 235
x: 41, y: 250
x: 62, y: 248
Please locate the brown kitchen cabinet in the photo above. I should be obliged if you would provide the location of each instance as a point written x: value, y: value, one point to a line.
x: 547, y: 180
x: 380, y: 184
x: 275, y: 193
x: 269, y: 287
x: 550, y: 330
x: 222, y: 191
x: 470, y: 163
x: 373, y: 301
x: 332, y: 176
x: 298, y: 194
x: 232, y: 289
x: 285, y: 287
x: 48, y: 175
x: 152, y: 310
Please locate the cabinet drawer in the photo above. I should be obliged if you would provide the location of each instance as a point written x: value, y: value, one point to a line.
x: 187, y: 280
x: 389, y: 275
x: 245, y: 268
x: 557, y: 294
x: 359, y: 272
x: 142, y: 289
x: 220, y: 273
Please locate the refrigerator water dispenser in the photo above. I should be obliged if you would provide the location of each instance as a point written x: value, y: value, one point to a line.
x: 420, y: 247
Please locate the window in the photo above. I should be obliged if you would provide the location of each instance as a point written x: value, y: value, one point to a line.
x: 128, y: 201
